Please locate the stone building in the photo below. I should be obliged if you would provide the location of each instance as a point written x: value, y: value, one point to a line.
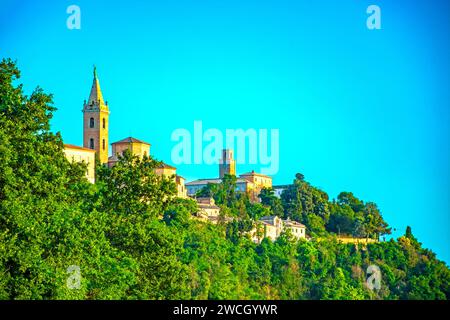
x: 227, y: 164
x: 83, y: 155
x: 96, y: 122
x: 272, y: 226
x: 137, y: 148
x: 207, y: 207
x: 95, y: 141
x: 171, y: 172
x: 252, y: 183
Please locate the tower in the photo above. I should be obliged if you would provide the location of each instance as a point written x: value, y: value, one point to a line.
x: 227, y: 164
x: 96, y: 121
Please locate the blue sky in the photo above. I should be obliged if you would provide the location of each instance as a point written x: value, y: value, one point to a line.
x: 358, y: 110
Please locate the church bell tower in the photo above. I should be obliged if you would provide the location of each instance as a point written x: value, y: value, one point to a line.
x: 227, y: 165
x: 96, y: 122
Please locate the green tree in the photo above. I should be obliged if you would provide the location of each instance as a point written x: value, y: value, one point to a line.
x: 44, y: 225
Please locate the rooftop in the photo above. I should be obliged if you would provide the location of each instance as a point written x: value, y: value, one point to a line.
x: 72, y: 146
x: 200, y: 182
x: 131, y: 140
x: 253, y: 173
x: 166, y: 166
x: 204, y: 181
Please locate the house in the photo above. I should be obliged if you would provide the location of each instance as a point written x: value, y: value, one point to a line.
x: 207, y: 206
x: 273, y: 226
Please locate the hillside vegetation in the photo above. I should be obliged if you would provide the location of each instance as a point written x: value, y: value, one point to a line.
x: 132, y: 239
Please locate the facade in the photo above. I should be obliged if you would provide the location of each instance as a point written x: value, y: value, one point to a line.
x: 181, y: 186
x: 209, y: 211
x: 207, y: 206
x: 297, y: 229
x: 164, y: 170
x: 83, y: 155
x: 193, y: 187
x: 141, y: 149
x: 272, y: 226
x: 137, y: 148
x: 252, y: 183
x: 257, y: 182
x: 96, y: 122
x: 95, y: 141
x: 227, y: 164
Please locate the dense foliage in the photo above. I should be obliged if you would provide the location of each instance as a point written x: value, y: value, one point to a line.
x: 132, y: 239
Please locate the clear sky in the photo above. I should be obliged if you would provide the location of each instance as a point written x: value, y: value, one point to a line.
x: 358, y: 110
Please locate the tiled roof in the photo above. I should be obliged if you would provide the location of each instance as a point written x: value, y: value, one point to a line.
x: 166, y: 166
x: 291, y: 223
x: 130, y: 140
x: 203, y: 181
x: 71, y: 146
x: 200, y: 182
x: 253, y: 173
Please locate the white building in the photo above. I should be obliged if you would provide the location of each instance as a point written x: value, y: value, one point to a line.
x: 272, y: 226
x: 82, y: 155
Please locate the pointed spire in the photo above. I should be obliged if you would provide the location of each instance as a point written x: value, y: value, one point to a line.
x: 96, y: 97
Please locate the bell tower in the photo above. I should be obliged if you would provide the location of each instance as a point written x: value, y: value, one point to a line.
x: 227, y: 164
x: 96, y: 121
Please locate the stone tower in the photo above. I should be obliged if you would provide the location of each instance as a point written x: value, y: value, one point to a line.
x: 227, y: 164
x: 96, y: 122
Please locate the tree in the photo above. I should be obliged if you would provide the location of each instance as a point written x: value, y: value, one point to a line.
x: 268, y: 199
x: 136, y: 198
x: 306, y: 204
x: 44, y: 225
x: 132, y: 239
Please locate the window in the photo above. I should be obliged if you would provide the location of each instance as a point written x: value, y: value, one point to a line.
x: 91, y: 143
x: 91, y: 123
x: 104, y: 123
x: 103, y: 144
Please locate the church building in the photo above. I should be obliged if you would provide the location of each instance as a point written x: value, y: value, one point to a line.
x: 95, y: 141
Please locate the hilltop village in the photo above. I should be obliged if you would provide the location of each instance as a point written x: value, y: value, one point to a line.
x: 95, y: 143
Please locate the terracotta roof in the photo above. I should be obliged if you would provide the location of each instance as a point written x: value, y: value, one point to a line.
x: 131, y: 140
x: 71, y: 146
x: 166, y: 166
x: 253, y: 173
